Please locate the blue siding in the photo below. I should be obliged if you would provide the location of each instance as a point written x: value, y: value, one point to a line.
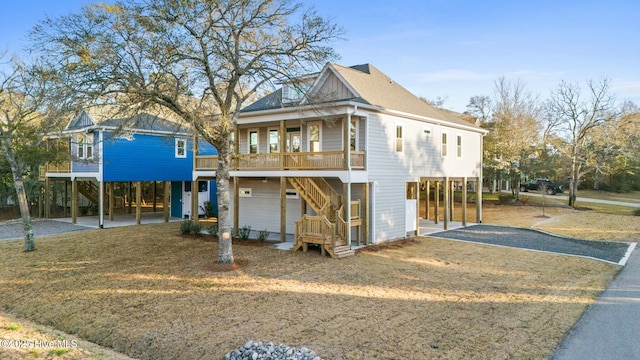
x: 176, y: 199
x: 145, y: 158
x: 204, y: 148
x: 213, y: 196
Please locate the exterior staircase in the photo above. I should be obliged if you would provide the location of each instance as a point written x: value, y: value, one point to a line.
x: 90, y: 190
x: 327, y: 228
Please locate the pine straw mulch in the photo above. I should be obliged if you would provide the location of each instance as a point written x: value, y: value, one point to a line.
x: 151, y: 293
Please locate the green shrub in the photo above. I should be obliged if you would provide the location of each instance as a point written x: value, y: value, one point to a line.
x: 185, y: 227
x: 244, y: 232
x: 208, y: 209
x: 263, y: 235
x: 213, y: 230
x: 196, y: 228
x: 636, y: 212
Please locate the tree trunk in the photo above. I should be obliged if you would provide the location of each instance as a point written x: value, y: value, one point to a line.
x: 18, y: 183
x: 225, y: 251
x: 573, y: 182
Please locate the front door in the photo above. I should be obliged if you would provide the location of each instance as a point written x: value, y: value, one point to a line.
x: 294, y: 141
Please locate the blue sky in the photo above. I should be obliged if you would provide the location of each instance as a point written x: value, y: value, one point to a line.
x: 456, y: 49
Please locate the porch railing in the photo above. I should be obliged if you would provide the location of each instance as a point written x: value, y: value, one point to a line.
x: 287, y: 161
x: 63, y: 167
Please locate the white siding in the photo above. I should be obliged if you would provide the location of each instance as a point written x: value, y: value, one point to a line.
x: 262, y: 210
x: 421, y: 157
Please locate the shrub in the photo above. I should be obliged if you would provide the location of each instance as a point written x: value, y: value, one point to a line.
x: 244, y: 232
x: 263, y: 235
x: 196, y: 228
x: 636, y: 212
x: 213, y: 230
x: 208, y: 209
x: 186, y: 227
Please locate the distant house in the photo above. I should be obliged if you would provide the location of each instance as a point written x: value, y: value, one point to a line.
x: 338, y: 157
x: 111, y: 158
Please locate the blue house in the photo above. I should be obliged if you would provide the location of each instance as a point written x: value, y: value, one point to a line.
x: 111, y: 159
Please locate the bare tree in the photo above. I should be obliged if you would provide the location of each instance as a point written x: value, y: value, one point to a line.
x: 480, y: 108
x: 575, y: 119
x: 514, y: 129
x: 27, y: 110
x: 200, y: 59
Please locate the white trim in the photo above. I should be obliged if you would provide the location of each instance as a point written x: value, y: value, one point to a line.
x: 309, y: 125
x: 395, y: 137
x: 184, y: 154
x: 277, y: 130
x: 444, y: 145
x: 257, y: 131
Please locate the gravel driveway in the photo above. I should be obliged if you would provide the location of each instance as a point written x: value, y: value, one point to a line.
x: 14, y: 230
x: 537, y: 240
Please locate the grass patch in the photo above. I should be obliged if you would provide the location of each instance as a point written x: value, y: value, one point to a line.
x: 58, y: 352
x: 13, y: 327
x: 150, y: 292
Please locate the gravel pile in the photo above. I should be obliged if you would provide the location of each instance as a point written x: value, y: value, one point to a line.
x: 257, y: 350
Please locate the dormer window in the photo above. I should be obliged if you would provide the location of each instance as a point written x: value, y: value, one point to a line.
x: 295, y: 92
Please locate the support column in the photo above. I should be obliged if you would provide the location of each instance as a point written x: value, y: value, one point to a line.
x: 74, y: 201
x: 47, y: 200
x: 155, y: 192
x: 282, y: 143
x: 417, y: 185
x: 194, y: 201
x: 165, y: 200
x: 446, y: 203
x: 436, y: 197
x: 464, y: 201
x: 366, y: 215
x: 111, y: 198
x: 346, y: 190
x: 452, y: 188
x: 236, y: 205
x: 427, y: 192
x: 283, y: 208
x: 138, y: 202
x: 130, y: 196
x: 479, y: 200
x: 101, y: 190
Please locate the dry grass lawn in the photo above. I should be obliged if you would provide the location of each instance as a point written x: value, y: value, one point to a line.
x: 150, y: 293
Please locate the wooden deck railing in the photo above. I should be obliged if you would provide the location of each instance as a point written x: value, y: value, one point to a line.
x: 63, y: 167
x: 290, y: 161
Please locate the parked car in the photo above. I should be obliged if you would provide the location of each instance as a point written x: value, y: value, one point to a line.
x: 546, y: 185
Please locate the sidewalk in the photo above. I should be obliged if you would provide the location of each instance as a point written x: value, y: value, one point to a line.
x: 609, y: 328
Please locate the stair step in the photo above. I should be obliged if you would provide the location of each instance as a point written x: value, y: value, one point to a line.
x: 344, y: 254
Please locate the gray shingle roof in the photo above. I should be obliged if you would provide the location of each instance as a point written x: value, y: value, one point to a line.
x: 372, y: 87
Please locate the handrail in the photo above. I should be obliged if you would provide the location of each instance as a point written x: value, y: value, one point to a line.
x: 290, y: 161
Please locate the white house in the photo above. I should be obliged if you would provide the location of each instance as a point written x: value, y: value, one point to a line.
x: 345, y: 148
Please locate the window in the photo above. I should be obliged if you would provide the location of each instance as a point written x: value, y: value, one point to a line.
x: 444, y: 144
x: 181, y: 148
x: 202, y: 186
x: 274, y: 141
x: 459, y: 146
x: 89, y: 146
x: 399, y: 141
x: 315, y: 132
x: 85, y: 146
x: 244, y: 192
x: 81, y: 146
x: 253, y: 141
x: 353, y: 135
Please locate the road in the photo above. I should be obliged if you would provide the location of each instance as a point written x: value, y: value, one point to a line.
x: 580, y: 199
